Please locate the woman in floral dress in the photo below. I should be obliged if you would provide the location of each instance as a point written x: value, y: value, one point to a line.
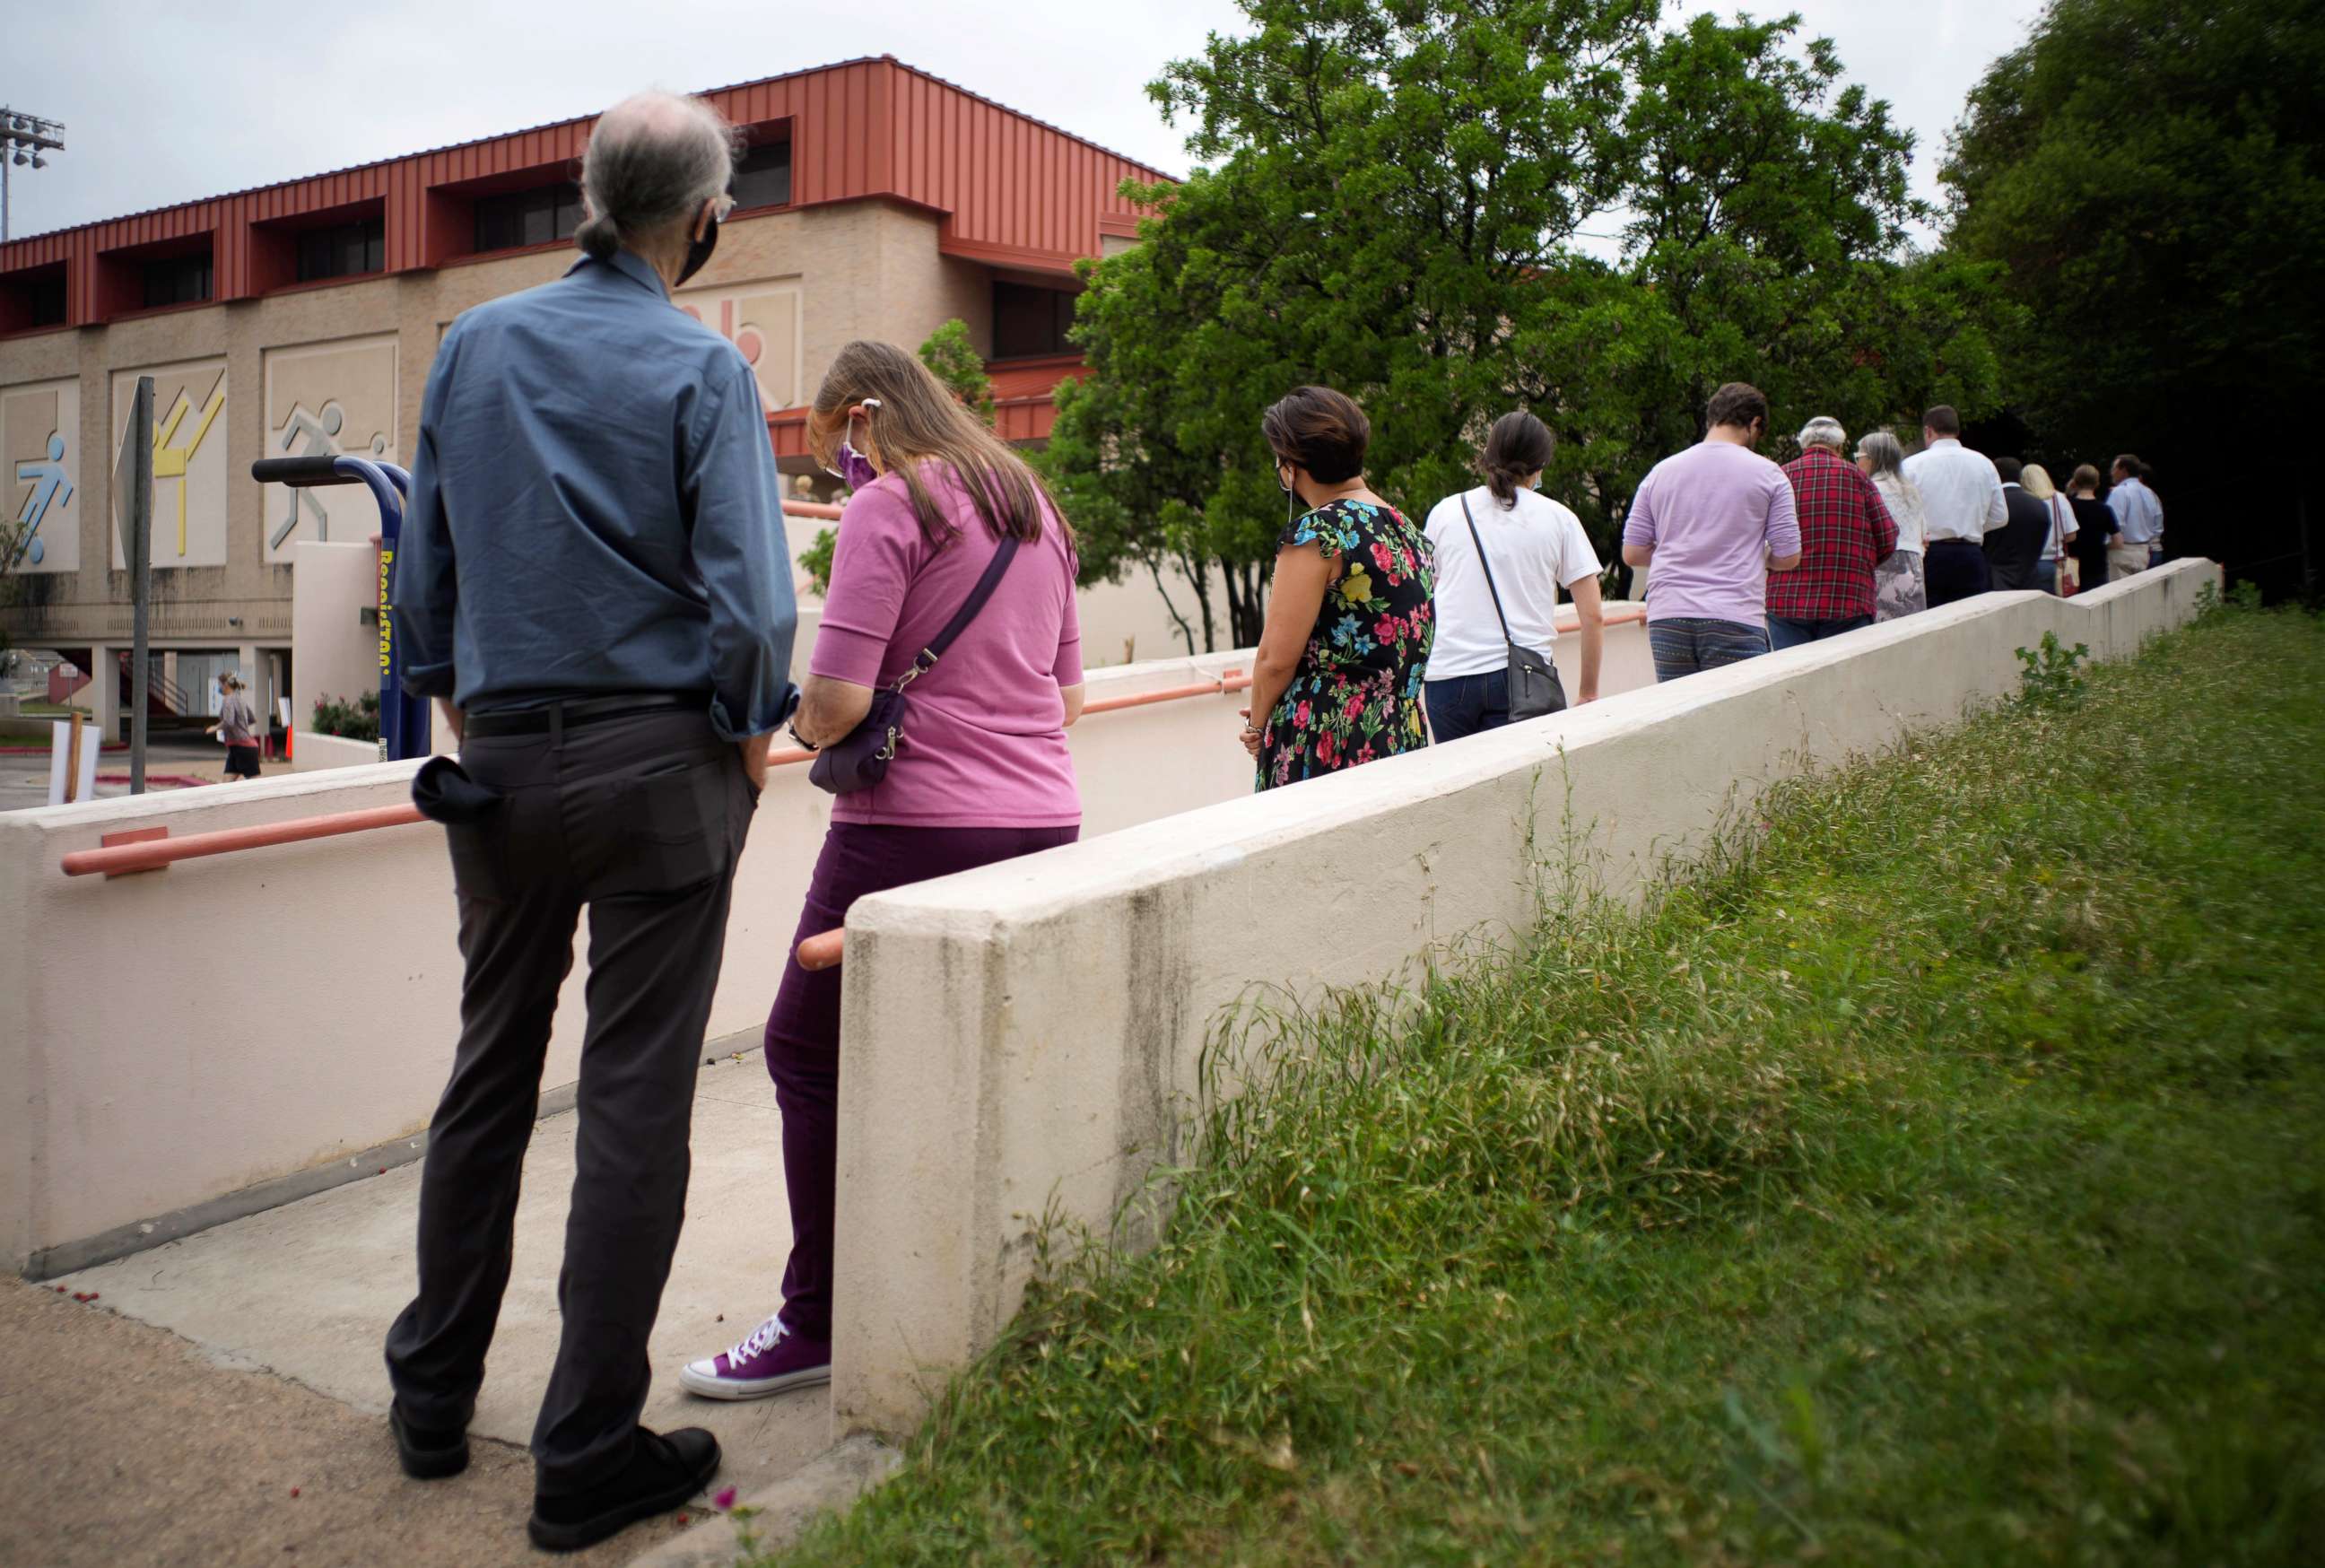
x: 1338, y: 679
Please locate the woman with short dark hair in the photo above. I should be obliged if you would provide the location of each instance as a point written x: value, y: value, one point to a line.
x: 1338, y: 679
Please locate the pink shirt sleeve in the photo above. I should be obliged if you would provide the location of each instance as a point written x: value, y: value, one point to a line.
x: 872, y: 565
x: 1068, y: 671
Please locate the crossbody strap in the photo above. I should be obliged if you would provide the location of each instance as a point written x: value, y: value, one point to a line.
x: 1489, y: 566
x: 923, y: 662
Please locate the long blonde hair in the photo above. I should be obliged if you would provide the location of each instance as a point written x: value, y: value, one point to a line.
x: 919, y: 419
x: 2035, y: 480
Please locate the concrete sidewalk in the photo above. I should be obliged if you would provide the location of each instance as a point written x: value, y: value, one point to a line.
x: 301, y: 1296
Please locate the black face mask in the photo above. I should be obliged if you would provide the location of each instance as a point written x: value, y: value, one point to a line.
x: 697, y: 251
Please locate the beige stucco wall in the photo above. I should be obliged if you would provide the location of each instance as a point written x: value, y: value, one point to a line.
x: 337, y: 653
x: 1025, y: 1038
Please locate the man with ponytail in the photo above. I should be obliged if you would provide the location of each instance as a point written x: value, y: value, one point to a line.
x: 593, y: 581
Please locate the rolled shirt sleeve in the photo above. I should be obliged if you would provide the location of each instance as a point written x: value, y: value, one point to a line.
x: 1997, y: 505
x: 424, y: 597
x: 1639, y: 525
x: 735, y: 500
x: 1784, y: 534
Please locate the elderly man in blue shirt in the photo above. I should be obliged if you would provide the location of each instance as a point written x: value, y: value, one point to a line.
x: 2139, y: 519
x: 593, y: 580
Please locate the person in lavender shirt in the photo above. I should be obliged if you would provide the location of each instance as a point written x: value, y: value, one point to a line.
x: 982, y: 773
x: 1712, y: 522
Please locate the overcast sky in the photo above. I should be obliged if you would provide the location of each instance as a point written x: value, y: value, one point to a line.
x: 170, y: 103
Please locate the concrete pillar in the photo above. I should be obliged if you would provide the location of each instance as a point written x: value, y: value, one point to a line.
x: 104, y: 682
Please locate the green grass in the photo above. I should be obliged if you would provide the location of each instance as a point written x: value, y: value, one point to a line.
x: 1935, y: 1174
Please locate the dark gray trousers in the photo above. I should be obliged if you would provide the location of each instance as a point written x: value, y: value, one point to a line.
x: 642, y: 820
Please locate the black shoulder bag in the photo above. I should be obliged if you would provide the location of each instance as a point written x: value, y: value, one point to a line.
x: 1534, y: 688
x: 859, y: 759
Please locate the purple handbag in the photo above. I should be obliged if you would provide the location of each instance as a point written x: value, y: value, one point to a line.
x: 859, y: 759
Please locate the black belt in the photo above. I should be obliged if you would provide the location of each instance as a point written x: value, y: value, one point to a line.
x: 571, y: 713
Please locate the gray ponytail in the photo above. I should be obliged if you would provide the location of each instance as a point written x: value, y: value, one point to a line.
x: 599, y: 236
x: 654, y: 159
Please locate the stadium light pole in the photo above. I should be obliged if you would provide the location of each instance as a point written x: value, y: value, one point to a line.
x: 23, y: 139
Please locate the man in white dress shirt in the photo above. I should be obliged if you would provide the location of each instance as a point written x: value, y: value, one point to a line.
x: 2138, y: 518
x: 1961, y: 497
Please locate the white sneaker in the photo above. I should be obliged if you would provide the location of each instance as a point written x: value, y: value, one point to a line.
x: 772, y: 1360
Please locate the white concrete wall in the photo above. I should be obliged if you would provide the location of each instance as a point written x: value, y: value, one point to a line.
x: 144, y: 1074
x: 1028, y: 1034
x: 313, y: 753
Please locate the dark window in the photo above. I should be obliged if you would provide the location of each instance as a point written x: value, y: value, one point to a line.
x: 182, y: 280
x: 44, y: 299
x: 534, y: 216
x: 763, y: 176
x: 1028, y: 321
x: 345, y: 250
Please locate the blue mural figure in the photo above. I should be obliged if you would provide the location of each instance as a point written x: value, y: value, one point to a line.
x: 321, y: 441
x: 50, y: 488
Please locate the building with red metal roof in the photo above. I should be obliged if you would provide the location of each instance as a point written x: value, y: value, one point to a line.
x: 875, y: 201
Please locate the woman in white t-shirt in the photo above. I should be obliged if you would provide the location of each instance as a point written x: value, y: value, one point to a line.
x: 1533, y: 546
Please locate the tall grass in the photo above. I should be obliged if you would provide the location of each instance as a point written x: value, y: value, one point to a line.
x: 1932, y: 1175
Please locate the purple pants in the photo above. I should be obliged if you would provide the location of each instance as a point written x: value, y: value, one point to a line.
x: 803, y: 1028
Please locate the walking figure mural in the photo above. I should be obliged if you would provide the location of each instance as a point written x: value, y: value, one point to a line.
x: 325, y: 400
x: 321, y: 436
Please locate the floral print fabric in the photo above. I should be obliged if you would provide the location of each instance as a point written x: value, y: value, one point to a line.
x: 1356, y: 694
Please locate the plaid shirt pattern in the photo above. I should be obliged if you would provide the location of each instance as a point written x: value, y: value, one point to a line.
x: 1846, y: 531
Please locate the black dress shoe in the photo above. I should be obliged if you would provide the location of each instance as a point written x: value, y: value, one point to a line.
x: 664, y: 1471
x: 427, y: 1455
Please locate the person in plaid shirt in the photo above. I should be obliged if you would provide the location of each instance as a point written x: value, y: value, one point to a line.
x: 1846, y: 531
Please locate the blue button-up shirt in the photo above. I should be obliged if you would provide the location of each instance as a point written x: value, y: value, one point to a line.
x: 595, y: 509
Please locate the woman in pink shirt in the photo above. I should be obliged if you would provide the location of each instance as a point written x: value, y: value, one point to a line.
x: 982, y: 773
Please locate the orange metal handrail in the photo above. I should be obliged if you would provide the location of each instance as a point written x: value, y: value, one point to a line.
x: 153, y: 854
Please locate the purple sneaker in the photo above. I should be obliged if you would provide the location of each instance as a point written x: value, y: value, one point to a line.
x: 772, y: 1360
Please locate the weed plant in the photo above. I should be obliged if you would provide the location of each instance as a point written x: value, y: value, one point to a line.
x: 1931, y: 1176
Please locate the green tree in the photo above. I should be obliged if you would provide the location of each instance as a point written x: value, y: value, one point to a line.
x: 1767, y: 210
x: 953, y: 357
x: 2149, y: 173
x: 1391, y: 183
x: 1391, y: 206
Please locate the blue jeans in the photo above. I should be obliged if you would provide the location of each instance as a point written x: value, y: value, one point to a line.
x: 1785, y: 633
x: 2046, y: 577
x: 1683, y: 646
x: 1467, y: 704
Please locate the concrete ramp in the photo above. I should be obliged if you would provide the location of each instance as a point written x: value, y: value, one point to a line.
x: 306, y: 1291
